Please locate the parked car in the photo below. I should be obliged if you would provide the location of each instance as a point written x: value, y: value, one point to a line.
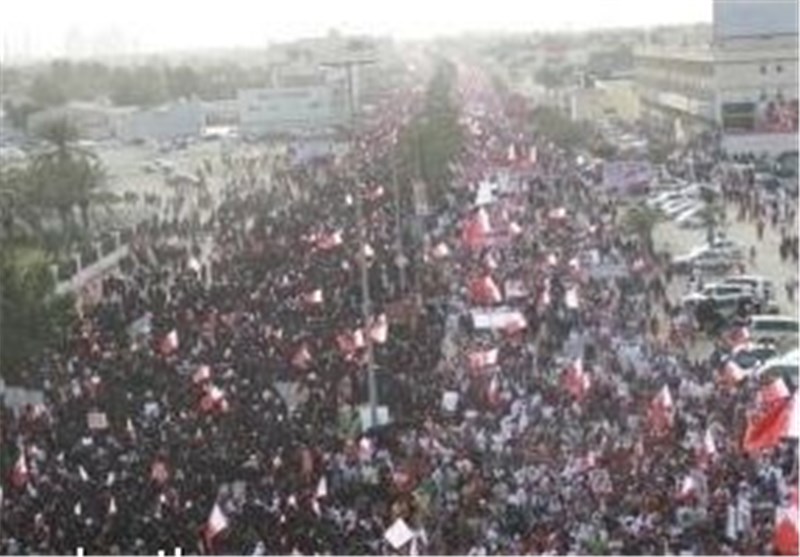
x: 691, y: 218
x: 762, y: 287
x: 779, y: 329
x: 676, y: 207
x: 786, y: 366
x: 705, y: 259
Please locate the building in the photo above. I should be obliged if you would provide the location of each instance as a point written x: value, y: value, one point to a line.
x: 165, y: 123
x: 743, y: 83
x: 611, y: 98
x: 676, y: 90
x: 93, y: 121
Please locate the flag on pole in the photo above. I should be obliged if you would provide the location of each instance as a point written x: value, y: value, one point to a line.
x: 314, y: 298
x: 785, y: 533
x: 20, y: 474
x: 302, y: 358
x: 484, y: 291
x: 767, y: 427
x: 170, y: 343
x: 575, y: 380
x: 216, y: 524
x: 661, y: 411
x: 213, y: 400
x: 330, y: 241
x: 379, y: 330
x: 202, y: 375
x: 773, y: 392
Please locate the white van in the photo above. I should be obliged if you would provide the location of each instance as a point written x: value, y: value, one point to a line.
x: 779, y: 329
x: 786, y: 366
x: 763, y: 288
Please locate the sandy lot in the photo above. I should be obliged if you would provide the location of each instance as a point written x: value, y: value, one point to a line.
x: 768, y: 263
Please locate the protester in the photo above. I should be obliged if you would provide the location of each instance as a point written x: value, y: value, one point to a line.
x: 547, y: 420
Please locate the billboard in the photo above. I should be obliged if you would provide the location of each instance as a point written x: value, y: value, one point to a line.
x: 627, y: 176
x: 775, y: 115
x: 752, y: 18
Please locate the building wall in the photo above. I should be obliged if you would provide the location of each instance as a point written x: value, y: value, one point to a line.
x: 165, y: 123
x: 284, y: 109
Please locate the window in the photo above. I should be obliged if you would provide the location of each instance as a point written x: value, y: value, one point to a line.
x: 763, y: 70
x: 779, y: 68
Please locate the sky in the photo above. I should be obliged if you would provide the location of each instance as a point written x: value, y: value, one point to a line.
x: 57, y: 28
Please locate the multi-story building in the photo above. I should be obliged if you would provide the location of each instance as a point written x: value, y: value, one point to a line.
x: 743, y: 84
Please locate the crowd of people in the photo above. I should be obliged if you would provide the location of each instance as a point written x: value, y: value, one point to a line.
x: 216, y: 404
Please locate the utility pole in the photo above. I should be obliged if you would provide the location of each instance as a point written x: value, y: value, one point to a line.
x: 401, y: 257
x: 366, y: 304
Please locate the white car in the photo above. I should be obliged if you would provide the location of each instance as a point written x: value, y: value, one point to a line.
x: 718, y: 292
x: 691, y: 219
x: 675, y: 208
x: 763, y: 287
x: 704, y: 258
x: 662, y: 198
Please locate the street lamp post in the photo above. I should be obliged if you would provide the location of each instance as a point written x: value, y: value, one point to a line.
x: 366, y: 310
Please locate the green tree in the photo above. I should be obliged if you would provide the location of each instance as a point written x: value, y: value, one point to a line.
x: 640, y: 221
x: 33, y: 318
x: 65, y: 176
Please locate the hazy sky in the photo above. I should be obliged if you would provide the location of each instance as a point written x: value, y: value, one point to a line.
x: 52, y: 26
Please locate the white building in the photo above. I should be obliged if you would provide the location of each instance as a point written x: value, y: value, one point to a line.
x: 298, y: 109
x: 744, y: 83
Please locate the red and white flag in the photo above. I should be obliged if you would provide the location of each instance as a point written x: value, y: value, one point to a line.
x: 512, y: 153
x: 20, y: 474
x: 314, y: 298
x: 330, y: 241
x: 688, y: 487
x: 662, y: 410
x: 202, y: 375
x: 476, y: 230
x: 379, y: 330
x: 533, y: 155
x: 767, y: 427
x: 214, y: 400
x: 484, y: 291
x: 560, y: 213
x: 785, y: 533
x: 216, y: 524
x: 575, y: 380
x: 484, y: 358
x: 773, y: 392
x: 302, y: 358
x: 170, y: 343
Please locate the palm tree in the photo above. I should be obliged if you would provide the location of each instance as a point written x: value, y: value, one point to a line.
x: 66, y: 175
x: 640, y: 220
x: 712, y: 215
